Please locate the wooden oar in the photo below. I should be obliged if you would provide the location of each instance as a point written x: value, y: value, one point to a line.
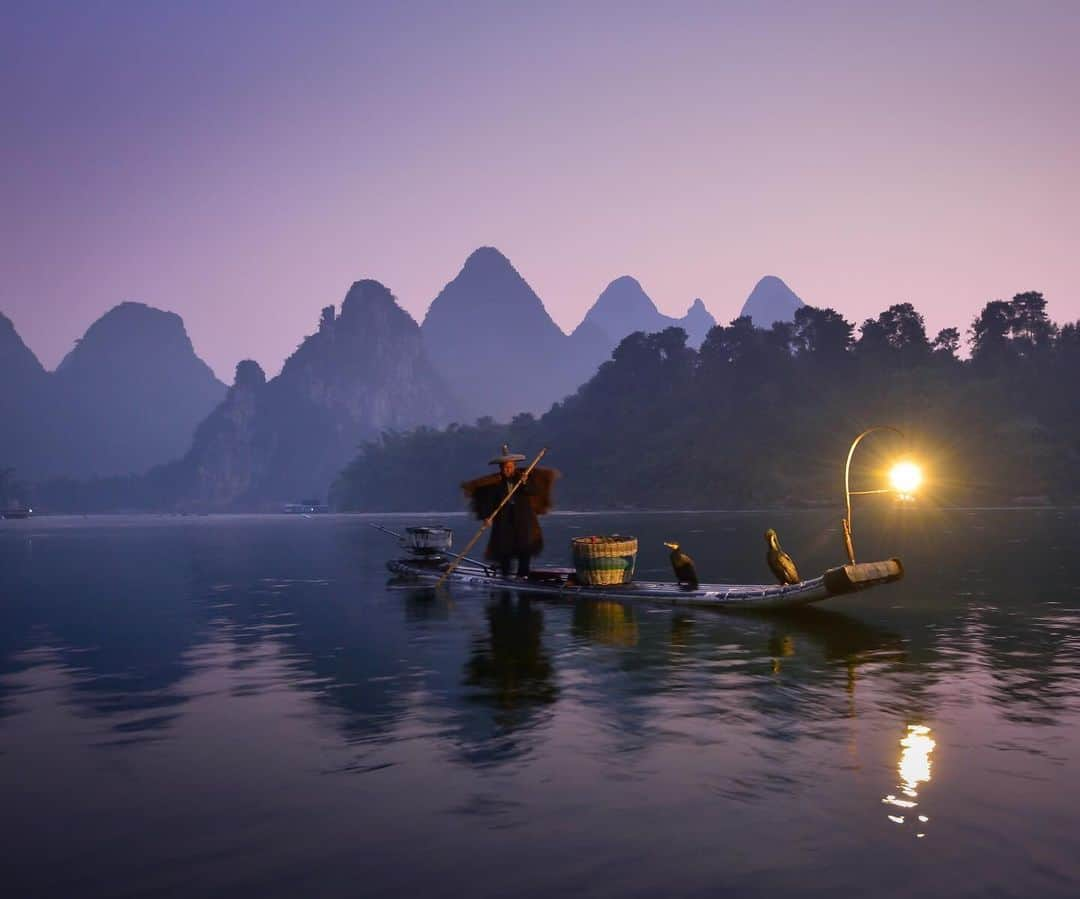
x: 490, y: 519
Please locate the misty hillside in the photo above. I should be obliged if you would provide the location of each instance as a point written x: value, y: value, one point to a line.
x: 130, y: 393
x: 364, y: 371
x: 128, y: 396
x: 489, y: 335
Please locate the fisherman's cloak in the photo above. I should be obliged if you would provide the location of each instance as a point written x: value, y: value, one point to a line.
x: 516, y: 529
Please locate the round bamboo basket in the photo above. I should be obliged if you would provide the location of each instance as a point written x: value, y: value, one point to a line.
x: 604, y: 560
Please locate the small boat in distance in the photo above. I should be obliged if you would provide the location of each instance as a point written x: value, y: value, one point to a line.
x: 307, y: 507
x: 16, y: 512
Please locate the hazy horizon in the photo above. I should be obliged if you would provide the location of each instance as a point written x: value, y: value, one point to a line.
x: 243, y: 166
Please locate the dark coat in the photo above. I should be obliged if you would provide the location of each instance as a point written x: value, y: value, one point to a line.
x: 516, y: 529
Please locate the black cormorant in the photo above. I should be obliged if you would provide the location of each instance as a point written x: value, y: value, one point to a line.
x: 683, y: 565
x: 779, y: 561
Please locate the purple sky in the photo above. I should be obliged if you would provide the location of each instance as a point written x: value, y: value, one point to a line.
x: 242, y: 163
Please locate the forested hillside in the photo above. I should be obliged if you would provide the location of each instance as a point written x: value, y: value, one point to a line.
x: 760, y: 417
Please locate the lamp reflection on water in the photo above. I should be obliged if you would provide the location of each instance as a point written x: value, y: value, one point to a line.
x: 914, y: 769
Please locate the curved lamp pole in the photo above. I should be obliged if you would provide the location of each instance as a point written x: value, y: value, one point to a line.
x: 848, y: 494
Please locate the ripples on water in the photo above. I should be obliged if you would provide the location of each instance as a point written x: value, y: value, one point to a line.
x: 242, y: 706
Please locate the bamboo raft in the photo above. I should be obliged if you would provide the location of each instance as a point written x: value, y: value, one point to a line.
x: 838, y: 581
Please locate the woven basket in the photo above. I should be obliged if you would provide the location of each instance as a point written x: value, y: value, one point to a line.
x: 604, y: 560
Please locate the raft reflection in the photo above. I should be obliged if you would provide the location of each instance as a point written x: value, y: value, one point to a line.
x: 605, y: 621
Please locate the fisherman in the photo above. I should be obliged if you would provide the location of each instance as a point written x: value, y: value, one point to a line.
x: 515, y: 530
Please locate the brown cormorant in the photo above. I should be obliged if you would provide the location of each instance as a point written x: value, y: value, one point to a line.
x: 684, y: 566
x: 780, y: 563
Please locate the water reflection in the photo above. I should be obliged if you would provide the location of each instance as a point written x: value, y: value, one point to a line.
x: 839, y: 638
x: 607, y: 622
x: 268, y: 664
x: 426, y: 605
x: 781, y: 646
x: 914, y: 769
x: 506, y: 684
x: 508, y: 665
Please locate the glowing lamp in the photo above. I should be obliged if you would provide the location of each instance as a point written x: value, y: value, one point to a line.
x: 905, y: 478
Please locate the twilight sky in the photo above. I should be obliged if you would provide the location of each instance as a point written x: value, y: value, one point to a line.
x: 241, y: 163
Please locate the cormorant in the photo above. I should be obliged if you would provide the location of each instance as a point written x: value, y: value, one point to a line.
x: 683, y: 565
x: 779, y: 561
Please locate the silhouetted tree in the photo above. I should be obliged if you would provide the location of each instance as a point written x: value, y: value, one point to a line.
x: 1068, y: 342
x: 823, y: 334
x: 670, y: 346
x: 728, y: 347
x: 1019, y: 329
x: 898, y: 332
x: 872, y: 342
x: 947, y: 343
x: 990, y: 346
x: 781, y: 337
x: 1030, y: 330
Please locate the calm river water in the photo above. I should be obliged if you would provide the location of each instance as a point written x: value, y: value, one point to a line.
x: 241, y: 706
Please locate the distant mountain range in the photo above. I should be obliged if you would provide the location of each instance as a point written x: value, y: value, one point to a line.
x: 490, y: 336
x: 133, y: 394
x: 128, y: 396
x: 624, y: 308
